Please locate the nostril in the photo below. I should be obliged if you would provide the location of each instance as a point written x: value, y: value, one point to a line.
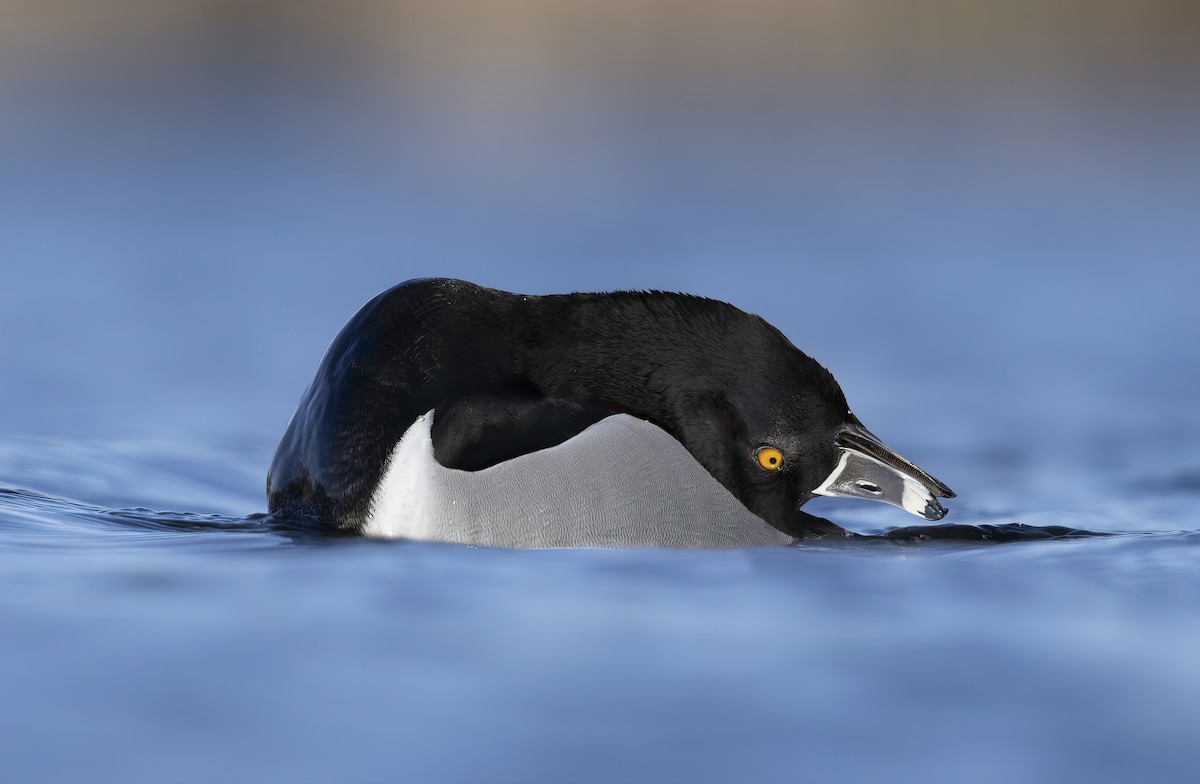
x: 869, y: 487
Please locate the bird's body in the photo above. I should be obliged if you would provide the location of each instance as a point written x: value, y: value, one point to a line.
x: 453, y: 412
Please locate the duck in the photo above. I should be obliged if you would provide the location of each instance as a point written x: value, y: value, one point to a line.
x: 452, y: 412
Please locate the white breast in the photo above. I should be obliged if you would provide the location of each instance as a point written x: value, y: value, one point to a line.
x: 623, y: 482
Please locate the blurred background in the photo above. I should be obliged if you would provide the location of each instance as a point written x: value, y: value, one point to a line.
x: 983, y: 216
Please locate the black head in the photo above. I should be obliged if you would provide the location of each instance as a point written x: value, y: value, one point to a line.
x: 775, y: 428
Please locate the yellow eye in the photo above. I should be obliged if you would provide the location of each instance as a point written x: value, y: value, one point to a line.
x: 770, y: 458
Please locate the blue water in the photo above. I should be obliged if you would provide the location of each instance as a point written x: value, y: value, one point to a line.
x: 1000, y: 262
x: 135, y: 649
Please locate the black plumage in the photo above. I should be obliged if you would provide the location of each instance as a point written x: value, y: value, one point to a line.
x: 506, y: 374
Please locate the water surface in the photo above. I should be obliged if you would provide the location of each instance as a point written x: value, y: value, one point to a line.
x: 165, y: 646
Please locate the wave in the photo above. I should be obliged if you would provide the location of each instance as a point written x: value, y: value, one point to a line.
x: 37, y: 515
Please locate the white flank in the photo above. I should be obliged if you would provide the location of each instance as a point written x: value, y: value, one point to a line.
x: 622, y: 482
x: 402, y: 504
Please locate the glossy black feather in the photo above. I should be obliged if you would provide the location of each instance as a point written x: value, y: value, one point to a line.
x: 508, y: 373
